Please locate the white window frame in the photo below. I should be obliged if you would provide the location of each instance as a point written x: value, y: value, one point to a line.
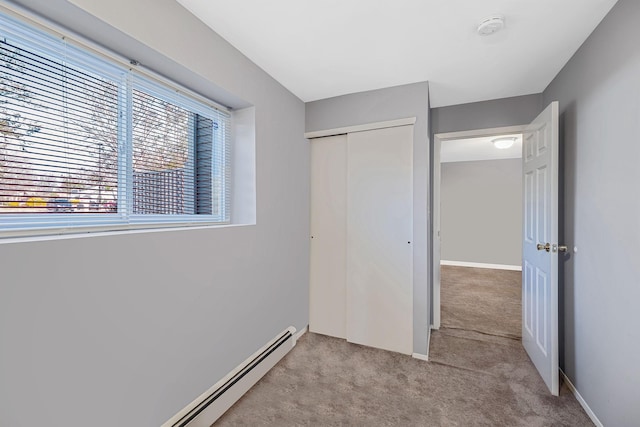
x: 21, y: 225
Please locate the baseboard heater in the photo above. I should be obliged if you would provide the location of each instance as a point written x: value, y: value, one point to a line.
x: 210, y: 406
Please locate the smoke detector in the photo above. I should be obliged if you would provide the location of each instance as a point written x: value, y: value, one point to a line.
x: 491, y: 25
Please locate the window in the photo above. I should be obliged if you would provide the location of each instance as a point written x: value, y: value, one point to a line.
x: 87, y: 142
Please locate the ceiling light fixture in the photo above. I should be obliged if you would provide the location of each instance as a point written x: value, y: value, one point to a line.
x: 504, y: 143
x: 490, y: 25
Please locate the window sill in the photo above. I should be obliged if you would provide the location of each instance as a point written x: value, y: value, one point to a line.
x: 22, y: 236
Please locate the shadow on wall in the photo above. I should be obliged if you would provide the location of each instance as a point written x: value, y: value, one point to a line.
x: 566, y: 214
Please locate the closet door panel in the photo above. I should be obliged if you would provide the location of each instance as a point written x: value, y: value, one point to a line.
x: 327, y: 284
x: 379, y: 234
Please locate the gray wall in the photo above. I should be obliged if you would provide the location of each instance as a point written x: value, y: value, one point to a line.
x: 599, y: 95
x: 519, y: 110
x: 381, y: 105
x: 481, y: 211
x: 126, y: 329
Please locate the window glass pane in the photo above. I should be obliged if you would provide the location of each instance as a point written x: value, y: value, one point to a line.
x: 204, y: 189
x: 220, y: 168
x: 87, y: 142
x: 163, y: 140
x: 58, y: 135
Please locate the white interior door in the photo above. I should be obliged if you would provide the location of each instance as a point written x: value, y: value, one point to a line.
x: 328, y: 262
x: 540, y: 245
x: 379, y: 235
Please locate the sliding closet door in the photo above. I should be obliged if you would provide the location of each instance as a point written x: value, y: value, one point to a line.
x: 379, y: 234
x: 327, y: 286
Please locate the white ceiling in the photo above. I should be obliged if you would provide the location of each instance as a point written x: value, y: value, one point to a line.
x: 470, y: 149
x: 323, y: 48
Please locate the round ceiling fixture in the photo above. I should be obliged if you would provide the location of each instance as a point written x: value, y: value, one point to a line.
x: 504, y: 143
x: 491, y: 25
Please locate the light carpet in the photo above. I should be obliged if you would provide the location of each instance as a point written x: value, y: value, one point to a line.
x: 478, y: 374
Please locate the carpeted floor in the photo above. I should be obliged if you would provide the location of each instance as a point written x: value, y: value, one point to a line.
x: 480, y: 299
x: 478, y: 373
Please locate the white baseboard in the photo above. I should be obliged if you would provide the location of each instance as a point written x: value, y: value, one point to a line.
x: 581, y: 400
x: 420, y: 356
x: 300, y: 333
x: 482, y: 265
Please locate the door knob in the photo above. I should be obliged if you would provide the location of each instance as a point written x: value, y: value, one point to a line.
x: 542, y: 247
x: 548, y: 247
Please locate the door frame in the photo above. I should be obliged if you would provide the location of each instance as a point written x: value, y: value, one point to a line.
x: 439, y: 138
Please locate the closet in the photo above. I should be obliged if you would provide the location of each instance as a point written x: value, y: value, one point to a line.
x: 361, y: 286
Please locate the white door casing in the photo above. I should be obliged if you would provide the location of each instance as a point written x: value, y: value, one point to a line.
x: 328, y: 260
x: 435, y: 233
x: 379, y: 238
x: 540, y: 227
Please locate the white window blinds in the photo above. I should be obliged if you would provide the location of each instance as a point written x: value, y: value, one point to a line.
x: 86, y: 142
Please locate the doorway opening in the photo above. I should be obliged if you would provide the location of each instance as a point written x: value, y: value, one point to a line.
x: 481, y: 234
x: 482, y: 222
x: 477, y: 232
